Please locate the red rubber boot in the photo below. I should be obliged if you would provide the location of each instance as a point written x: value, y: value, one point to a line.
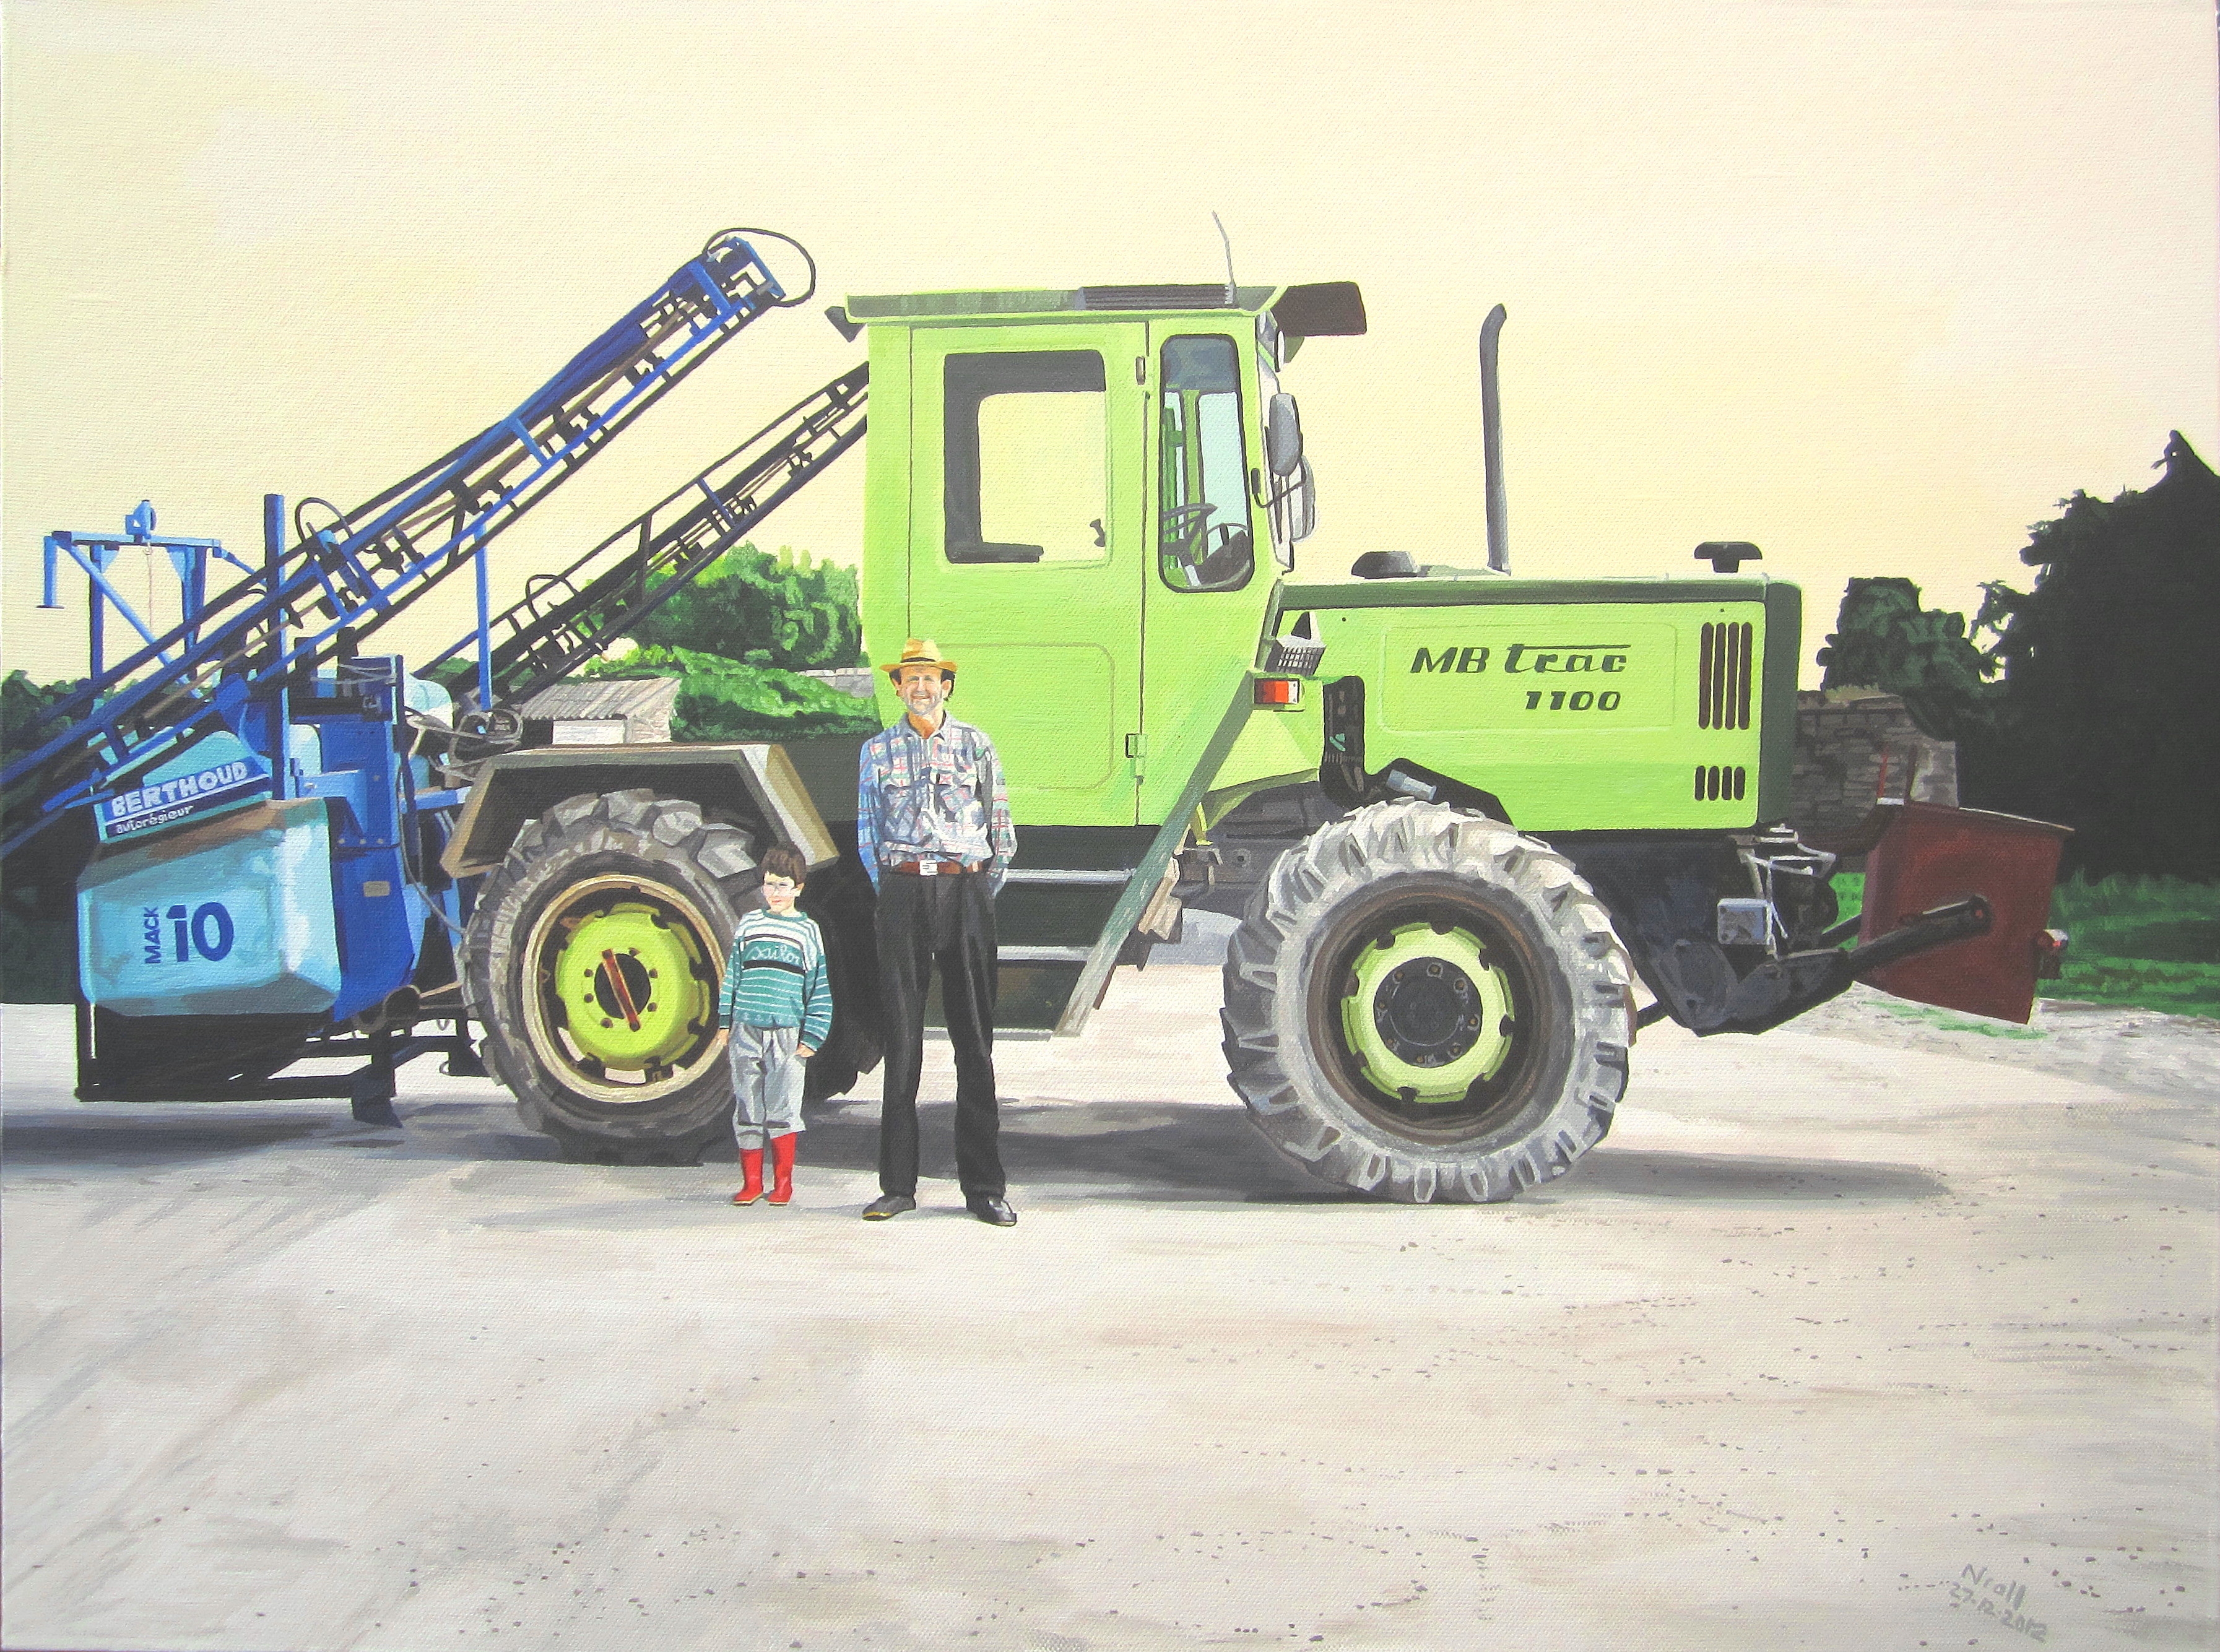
x: 751, y: 1170
x: 781, y: 1160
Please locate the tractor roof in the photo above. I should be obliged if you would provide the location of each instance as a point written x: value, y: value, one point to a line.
x: 1318, y: 309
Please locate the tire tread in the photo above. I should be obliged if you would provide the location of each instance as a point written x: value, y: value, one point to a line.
x: 1278, y: 1078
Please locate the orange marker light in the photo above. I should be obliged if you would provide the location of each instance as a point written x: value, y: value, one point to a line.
x: 1279, y: 691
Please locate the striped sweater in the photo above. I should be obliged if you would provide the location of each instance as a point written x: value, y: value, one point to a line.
x: 775, y: 977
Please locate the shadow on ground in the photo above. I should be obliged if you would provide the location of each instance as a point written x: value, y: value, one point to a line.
x: 1149, y: 1152
x: 1644, y: 1173
x: 127, y: 1143
x: 1136, y: 1151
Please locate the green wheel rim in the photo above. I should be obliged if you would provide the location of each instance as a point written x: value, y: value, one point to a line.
x: 627, y: 1000
x: 626, y: 982
x: 1428, y: 1014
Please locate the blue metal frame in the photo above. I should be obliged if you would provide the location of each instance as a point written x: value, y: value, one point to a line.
x: 277, y: 653
x: 94, y: 552
x: 380, y: 894
x: 313, y: 603
x: 569, y: 617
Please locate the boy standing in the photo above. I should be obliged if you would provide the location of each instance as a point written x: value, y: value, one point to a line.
x: 778, y: 1006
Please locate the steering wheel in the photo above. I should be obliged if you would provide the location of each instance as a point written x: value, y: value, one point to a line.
x: 1182, y: 531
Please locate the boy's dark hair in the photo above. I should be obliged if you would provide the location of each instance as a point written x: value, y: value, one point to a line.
x: 779, y: 860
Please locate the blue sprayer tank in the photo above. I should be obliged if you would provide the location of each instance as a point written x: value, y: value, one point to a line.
x: 252, y: 907
x: 231, y: 917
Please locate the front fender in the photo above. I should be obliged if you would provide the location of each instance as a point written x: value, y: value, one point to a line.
x: 752, y: 782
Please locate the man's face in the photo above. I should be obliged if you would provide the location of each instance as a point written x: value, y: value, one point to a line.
x: 923, y: 689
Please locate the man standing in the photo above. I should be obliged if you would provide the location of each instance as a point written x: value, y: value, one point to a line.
x: 932, y: 826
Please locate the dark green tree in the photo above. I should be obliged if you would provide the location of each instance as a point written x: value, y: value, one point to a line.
x: 2096, y: 700
x: 22, y: 701
x: 38, y: 924
x: 1883, y: 639
x: 2112, y: 677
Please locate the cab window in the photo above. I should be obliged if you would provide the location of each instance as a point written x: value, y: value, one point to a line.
x: 1203, y: 539
x: 1027, y: 476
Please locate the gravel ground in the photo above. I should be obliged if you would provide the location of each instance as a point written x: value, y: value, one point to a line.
x: 1875, y: 1331
x: 2136, y: 1051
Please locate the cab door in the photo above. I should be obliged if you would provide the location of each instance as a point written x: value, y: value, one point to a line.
x: 1210, y: 571
x: 1027, y: 549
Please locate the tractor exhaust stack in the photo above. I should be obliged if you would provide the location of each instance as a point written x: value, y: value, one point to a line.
x: 1491, y: 440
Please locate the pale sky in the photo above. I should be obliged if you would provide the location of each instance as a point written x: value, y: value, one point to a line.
x: 1872, y: 285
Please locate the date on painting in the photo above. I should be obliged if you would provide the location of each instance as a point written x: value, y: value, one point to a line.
x: 1977, y: 1588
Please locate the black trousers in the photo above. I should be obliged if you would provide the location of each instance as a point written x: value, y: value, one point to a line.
x: 947, y: 922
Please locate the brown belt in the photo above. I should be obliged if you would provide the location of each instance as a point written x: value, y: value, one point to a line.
x: 934, y: 868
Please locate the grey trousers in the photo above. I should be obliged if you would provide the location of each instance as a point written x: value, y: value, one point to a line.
x: 767, y: 1077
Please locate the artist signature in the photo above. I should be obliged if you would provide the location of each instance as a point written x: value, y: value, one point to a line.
x: 1993, y: 1597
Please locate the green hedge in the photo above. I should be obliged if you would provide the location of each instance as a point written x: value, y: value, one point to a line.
x: 21, y: 699
x: 724, y: 699
x: 782, y: 610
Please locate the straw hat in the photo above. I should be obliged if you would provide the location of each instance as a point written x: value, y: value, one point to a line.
x: 921, y: 650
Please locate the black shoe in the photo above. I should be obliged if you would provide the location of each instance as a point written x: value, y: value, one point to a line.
x: 992, y: 1207
x: 888, y: 1204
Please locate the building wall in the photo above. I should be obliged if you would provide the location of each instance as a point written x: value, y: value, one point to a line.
x: 1852, y: 747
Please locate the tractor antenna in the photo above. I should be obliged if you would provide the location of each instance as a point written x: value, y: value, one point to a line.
x: 1227, y: 241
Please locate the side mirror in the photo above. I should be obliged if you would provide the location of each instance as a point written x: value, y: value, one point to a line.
x: 1283, y: 436
x: 1295, y: 513
x: 1306, y: 506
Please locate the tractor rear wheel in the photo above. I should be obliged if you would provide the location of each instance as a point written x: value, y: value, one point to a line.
x: 593, y: 960
x: 1422, y: 1005
x: 840, y: 899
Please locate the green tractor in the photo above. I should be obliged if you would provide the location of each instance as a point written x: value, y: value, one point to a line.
x: 1469, y: 822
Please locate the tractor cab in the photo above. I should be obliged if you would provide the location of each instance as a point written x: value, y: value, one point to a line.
x: 1087, y: 496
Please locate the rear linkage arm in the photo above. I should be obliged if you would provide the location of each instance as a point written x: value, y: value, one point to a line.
x: 1781, y: 988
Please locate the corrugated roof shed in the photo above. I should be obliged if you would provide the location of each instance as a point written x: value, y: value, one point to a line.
x: 645, y: 704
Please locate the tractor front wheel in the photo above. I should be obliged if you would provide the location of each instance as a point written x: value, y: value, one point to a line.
x: 1422, y: 1005
x: 593, y: 960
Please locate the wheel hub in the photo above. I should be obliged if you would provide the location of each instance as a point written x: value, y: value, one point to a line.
x: 1427, y: 1013
x: 612, y: 974
x: 627, y: 996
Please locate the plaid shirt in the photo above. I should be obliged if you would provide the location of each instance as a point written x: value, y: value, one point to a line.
x: 932, y: 799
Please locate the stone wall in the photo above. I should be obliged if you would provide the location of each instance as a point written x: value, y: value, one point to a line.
x: 862, y: 680
x: 1852, y: 746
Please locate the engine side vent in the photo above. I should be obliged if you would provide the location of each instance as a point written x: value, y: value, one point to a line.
x: 1715, y: 784
x: 1723, y: 676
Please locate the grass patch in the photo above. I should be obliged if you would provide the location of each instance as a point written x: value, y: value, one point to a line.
x: 2149, y: 943
x: 1951, y: 1021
